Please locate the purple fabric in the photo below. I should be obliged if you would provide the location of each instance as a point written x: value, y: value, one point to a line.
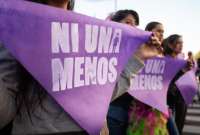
x: 150, y: 86
x: 25, y: 30
x: 188, y: 86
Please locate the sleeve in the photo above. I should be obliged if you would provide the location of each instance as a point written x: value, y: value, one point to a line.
x: 177, y: 76
x: 9, y: 80
x: 133, y: 66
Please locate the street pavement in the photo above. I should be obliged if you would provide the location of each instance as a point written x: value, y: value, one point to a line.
x: 192, y: 123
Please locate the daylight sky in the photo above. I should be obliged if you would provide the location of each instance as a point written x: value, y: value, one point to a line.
x: 178, y: 16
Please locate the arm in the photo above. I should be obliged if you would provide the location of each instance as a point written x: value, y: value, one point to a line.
x: 187, y: 68
x: 9, y: 78
x: 177, y: 76
x: 134, y: 65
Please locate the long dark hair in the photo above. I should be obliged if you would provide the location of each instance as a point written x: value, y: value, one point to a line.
x: 171, y: 40
x: 31, y: 93
x: 121, y: 14
x: 69, y: 7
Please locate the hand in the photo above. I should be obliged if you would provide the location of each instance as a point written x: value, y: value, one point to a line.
x: 150, y: 49
x: 188, y: 66
x: 154, y: 40
x: 104, y: 130
x: 147, y: 51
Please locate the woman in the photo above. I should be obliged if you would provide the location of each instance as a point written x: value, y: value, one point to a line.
x: 143, y: 119
x: 158, y: 30
x: 191, y: 58
x: 172, y: 47
x: 117, y: 117
x: 25, y: 102
x: 118, y: 111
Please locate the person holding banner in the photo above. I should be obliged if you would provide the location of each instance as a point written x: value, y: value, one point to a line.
x: 23, y: 100
x: 157, y: 29
x: 118, y: 111
x: 117, y: 116
x: 172, y: 47
x: 144, y: 119
x: 191, y: 58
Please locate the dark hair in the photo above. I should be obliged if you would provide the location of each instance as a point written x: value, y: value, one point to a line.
x: 198, y: 62
x: 171, y: 40
x: 39, y: 1
x: 189, y: 53
x: 150, y: 26
x: 121, y: 14
x: 31, y: 93
x: 69, y: 7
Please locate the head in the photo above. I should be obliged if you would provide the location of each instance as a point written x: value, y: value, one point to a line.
x: 129, y: 17
x: 173, y: 45
x: 190, y: 55
x: 65, y: 4
x: 156, y: 28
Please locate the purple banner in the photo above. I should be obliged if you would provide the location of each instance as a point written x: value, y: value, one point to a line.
x: 76, y: 58
x: 188, y: 86
x: 150, y: 86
